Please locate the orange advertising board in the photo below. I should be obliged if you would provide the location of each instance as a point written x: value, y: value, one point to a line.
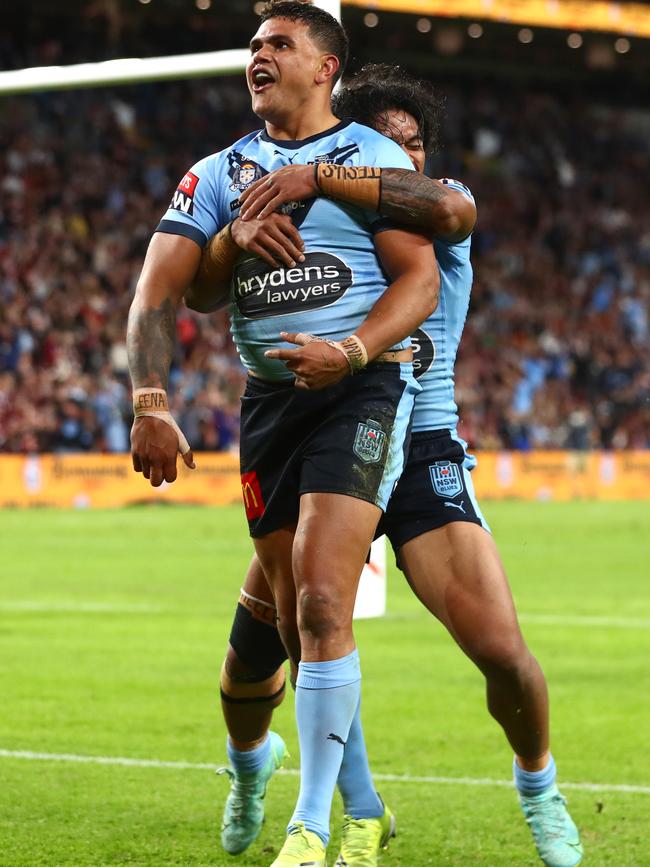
x: 107, y: 481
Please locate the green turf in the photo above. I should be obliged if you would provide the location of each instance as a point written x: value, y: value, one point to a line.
x: 135, y: 674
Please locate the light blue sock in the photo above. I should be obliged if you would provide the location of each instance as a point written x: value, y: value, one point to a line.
x: 360, y: 800
x: 327, y: 695
x: 251, y: 761
x: 531, y: 783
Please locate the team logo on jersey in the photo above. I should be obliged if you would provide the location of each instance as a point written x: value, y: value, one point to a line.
x: 183, y: 198
x: 424, y: 352
x: 260, y: 292
x: 338, y: 155
x: 369, y: 441
x: 243, y: 171
x: 252, y: 494
x: 446, y: 478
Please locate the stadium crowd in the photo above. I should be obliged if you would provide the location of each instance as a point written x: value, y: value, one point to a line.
x: 556, y: 352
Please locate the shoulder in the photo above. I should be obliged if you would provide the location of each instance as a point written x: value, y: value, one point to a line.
x: 213, y: 163
x: 459, y: 186
x: 377, y: 149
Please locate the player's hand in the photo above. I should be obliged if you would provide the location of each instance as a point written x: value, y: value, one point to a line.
x: 275, y: 239
x: 288, y: 184
x: 154, y: 447
x: 315, y: 363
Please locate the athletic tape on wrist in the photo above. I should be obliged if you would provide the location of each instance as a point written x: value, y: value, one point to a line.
x: 351, y: 347
x: 358, y: 185
x: 356, y: 352
x: 153, y: 402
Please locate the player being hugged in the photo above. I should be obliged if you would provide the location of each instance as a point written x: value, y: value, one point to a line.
x: 318, y: 462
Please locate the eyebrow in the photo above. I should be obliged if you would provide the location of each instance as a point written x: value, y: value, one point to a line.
x: 276, y: 37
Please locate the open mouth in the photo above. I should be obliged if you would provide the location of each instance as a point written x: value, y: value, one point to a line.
x: 261, y: 80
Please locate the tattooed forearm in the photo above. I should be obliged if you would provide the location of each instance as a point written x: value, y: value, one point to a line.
x: 150, y: 341
x: 414, y: 200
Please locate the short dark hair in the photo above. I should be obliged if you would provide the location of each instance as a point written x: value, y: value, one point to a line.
x: 380, y: 87
x: 323, y: 27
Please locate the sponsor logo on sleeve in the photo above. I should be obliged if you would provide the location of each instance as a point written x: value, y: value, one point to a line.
x: 424, y: 352
x: 252, y: 494
x: 260, y: 291
x: 369, y: 441
x: 446, y: 479
x: 183, y: 198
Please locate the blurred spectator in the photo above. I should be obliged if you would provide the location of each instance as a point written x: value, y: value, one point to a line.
x: 556, y: 349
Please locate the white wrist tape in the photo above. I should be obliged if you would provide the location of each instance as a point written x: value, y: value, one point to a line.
x: 352, y: 347
x: 153, y: 402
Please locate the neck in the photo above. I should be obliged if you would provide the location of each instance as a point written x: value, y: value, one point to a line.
x: 301, y: 124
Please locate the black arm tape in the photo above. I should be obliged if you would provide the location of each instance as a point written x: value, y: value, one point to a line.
x: 257, y: 644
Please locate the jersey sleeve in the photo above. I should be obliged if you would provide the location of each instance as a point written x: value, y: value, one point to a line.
x: 458, y: 249
x: 196, y: 210
x: 459, y: 186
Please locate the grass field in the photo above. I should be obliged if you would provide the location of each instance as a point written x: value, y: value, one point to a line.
x: 112, y: 630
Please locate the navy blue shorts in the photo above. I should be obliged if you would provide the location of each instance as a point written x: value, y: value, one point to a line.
x: 435, y: 489
x: 348, y: 439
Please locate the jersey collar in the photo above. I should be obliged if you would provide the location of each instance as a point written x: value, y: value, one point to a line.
x: 294, y: 145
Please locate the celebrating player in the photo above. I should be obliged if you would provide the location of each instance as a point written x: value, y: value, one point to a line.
x: 433, y: 521
x: 317, y: 465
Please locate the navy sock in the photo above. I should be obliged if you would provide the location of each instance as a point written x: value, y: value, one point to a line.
x: 327, y: 695
x: 531, y: 783
x: 250, y: 761
x: 360, y: 800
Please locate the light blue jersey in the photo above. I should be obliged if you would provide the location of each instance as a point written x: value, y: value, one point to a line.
x: 332, y: 291
x: 435, y: 344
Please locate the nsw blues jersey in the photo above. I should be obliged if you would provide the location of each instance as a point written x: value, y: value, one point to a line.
x: 435, y: 344
x: 333, y: 290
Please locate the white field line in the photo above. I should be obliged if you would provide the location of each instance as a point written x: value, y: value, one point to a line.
x: 390, y: 778
x: 581, y: 620
x: 586, y: 620
x: 30, y: 605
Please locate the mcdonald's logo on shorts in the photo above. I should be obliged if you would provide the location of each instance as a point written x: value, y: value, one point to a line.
x: 252, y: 494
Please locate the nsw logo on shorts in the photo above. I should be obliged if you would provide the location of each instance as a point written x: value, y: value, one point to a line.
x: 446, y: 478
x: 369, y: 441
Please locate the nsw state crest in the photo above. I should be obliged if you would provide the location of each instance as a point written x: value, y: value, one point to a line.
x: 369, y: 441
x: 446, y: 478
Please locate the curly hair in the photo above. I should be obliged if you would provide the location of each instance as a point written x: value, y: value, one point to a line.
x: 379, y: 87
x: 323, y: 28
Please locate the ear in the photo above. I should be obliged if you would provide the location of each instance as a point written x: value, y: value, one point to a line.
x: 329, y: 66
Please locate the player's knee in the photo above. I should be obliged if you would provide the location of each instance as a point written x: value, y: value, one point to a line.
x: 256, y: 650
x: 320, y: 612
x: 502, y: 654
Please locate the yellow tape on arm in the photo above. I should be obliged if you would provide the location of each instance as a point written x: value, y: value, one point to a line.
x: 357, y: 185
x: 153, y: 402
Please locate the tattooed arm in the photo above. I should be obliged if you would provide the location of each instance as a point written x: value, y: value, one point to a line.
x: 408, y: 198
x: 169, y: 267
x: 413, y: 199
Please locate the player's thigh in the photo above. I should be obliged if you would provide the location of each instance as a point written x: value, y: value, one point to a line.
x: 274, y: 553
x: 333, y: 536
x: 256, y: 584
x: 457, y: 573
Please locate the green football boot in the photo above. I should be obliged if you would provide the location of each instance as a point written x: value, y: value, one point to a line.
x: 302, y: 848
x: 554, y: 832
x: 363, y: 840
x: 243, y: 815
